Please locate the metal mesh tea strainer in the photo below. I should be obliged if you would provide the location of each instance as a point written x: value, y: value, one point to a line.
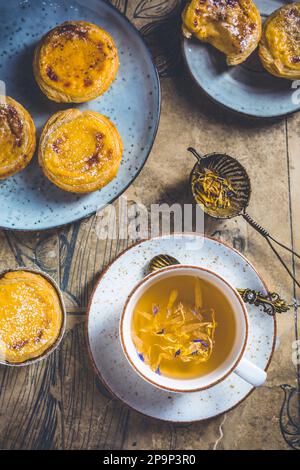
x: 229, y: 169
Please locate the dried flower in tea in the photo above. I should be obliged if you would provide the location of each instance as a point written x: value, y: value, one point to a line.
x: 213, y: 191
x: 176, y: 331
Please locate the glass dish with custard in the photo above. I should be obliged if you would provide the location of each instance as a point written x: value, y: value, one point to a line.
x: 32, y: 316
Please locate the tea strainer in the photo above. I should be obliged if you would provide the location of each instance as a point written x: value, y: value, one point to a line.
x: 229, y: 168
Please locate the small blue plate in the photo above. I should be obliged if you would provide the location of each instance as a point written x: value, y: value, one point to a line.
x: 247, y: 88
x: 28, y: 200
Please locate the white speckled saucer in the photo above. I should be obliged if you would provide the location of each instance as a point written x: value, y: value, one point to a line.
x: 106, y: 306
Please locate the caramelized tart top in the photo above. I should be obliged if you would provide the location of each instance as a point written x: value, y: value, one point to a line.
x: 75, y: 62
x: 232, y: 26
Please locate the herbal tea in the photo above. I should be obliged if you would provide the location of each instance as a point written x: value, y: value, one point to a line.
x: 183, y: 327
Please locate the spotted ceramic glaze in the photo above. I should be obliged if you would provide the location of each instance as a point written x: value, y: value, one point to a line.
x: 245, y: 88
x: 28, y: 200
x: 103, y: 329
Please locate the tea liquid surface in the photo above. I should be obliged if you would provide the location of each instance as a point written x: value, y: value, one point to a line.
x: 183, y: 327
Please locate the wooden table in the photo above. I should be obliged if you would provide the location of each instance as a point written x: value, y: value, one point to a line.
x: 59, y: 403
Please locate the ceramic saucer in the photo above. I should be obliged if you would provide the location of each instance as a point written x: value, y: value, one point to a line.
x: 106, y: 306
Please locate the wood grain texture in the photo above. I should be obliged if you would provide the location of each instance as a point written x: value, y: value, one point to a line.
x: 59, y: 403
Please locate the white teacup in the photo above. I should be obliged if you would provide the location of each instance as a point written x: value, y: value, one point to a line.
x: 233, y: 363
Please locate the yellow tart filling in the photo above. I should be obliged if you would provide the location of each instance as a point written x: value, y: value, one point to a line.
x: 31, y: 316
x: 75, y: 62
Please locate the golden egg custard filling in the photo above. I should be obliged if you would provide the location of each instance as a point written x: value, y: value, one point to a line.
x: 232, y: 26
x: 80, y: 151
x: 279, y: 49
x: 30, y: 316
x: 75, y: 62
x: 17, y: 137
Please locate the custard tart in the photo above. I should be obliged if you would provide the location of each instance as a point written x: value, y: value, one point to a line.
x: 17, y: 137
x: 31, y: 316
x: 75, y: 62
x: 232, y: 26
x: 80, y: 151
x: 279, y: 48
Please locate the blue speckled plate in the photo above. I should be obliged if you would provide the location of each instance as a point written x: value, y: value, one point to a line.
x: 247, y: 88
x: 28, y: 200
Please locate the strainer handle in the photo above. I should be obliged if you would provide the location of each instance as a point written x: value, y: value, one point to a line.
x: 195, y: 153
x: 268, y: 237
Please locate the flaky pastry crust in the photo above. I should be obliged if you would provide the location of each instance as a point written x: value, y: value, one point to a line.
x: 279, y: 48
x: 17, y: 137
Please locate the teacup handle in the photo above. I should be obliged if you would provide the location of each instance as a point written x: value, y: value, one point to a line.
x: 251, y: 373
